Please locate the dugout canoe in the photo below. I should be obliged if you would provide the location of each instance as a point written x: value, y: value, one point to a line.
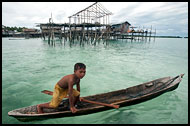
x: 123, y: 97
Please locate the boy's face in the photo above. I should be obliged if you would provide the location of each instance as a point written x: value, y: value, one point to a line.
x: 80, y: 73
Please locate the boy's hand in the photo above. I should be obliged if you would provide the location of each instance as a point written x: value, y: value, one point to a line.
x: 73, y: 109
x: 80, y: 98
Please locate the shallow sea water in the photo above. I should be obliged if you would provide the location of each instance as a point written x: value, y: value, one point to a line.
x: 32, y: 65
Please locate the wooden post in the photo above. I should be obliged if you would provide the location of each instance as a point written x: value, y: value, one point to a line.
x: 70, y: 29
x: 95, y: 35
x: 43, y: 34
x: 91, y: 35
x: 132, y: 36
x: 154, y: 34
x: 106, y: 32
x: 150, y: 32
x: 87, y: 34
x: 49, y: 31
x: 83, y: 33
x: 64, y: 32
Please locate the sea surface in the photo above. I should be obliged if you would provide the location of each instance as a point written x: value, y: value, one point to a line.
x: 32, y: 65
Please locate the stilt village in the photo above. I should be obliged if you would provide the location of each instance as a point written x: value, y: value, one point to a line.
x: 91, y: 24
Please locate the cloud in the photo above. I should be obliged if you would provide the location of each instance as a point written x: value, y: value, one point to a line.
x: 163, y: 16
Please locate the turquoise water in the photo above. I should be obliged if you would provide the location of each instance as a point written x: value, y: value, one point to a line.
x: 31, y: 65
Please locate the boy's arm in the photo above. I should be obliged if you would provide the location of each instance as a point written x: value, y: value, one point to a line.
x: 78, y: 89
x: 71, y: 98
x: 70, y: 92
x: 78, y: 86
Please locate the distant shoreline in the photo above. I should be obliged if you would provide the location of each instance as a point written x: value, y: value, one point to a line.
x: 5, y: 36
x: 170, y: 37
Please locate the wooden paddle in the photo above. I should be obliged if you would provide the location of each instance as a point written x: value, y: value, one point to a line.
x: 85, y: 100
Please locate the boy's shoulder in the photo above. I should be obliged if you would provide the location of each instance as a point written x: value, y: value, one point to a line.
x: 69, y: 77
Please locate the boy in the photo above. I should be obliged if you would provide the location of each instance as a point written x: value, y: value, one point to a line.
x: 64, y: 87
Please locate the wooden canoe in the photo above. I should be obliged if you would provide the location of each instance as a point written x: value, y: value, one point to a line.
x: 124, y: 97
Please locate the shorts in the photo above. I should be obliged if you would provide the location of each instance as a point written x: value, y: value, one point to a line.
x: 58, y: 94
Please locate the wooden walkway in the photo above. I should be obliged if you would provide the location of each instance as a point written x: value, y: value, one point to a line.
x: 89, y: 24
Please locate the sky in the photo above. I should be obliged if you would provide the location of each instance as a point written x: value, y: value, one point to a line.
x: 168, y: 18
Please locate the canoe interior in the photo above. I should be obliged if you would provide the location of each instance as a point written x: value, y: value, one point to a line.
x: 123, y: 97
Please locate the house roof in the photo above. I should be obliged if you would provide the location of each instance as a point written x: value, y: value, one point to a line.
x: 126, y: 22
x: 29, y: 30
x: 95, y: 10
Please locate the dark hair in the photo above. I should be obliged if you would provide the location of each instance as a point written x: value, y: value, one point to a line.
x: 79, y: 66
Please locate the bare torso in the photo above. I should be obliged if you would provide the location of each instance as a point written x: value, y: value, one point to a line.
x: 63, y: 83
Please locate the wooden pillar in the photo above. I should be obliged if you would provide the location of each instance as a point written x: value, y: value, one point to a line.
x: 91, y: 35
x: 87, y: 34
x: 150, y: 33
x: 64, y: 32
x: 70, y: 29
x: 95, y: 33
x: 83, y: 33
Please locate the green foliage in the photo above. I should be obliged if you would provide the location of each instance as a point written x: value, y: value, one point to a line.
x: 18, y: 29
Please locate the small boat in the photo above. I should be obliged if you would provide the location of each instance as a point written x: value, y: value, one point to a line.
x: 123, y: 97
x: 16, y: 39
